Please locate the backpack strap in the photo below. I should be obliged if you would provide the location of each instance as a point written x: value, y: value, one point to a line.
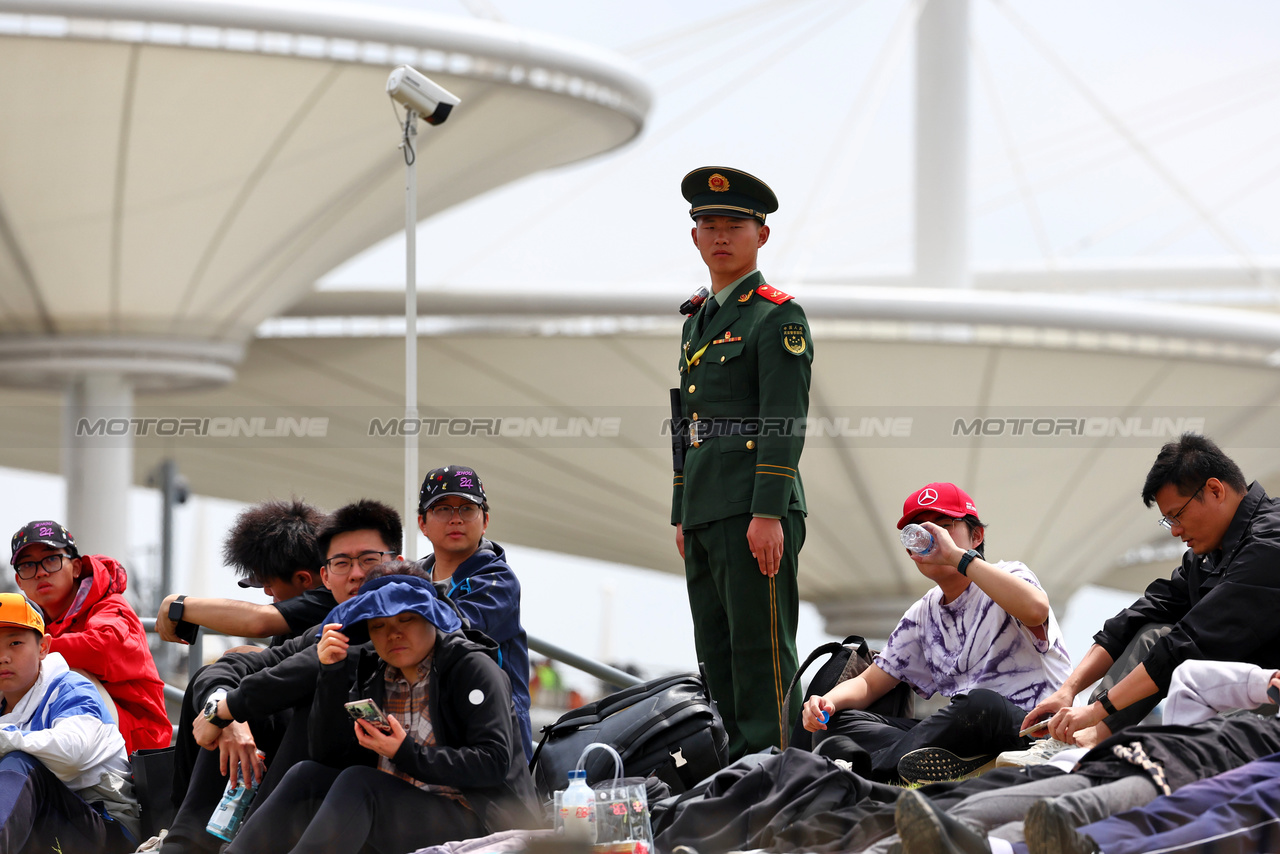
x: 860, y: 648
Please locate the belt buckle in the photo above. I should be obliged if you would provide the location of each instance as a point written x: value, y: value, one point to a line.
x: 693, y: 434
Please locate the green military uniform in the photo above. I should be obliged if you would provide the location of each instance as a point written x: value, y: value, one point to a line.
x: 745, y: 372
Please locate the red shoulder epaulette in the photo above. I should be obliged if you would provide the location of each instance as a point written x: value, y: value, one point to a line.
x: 773, y: 295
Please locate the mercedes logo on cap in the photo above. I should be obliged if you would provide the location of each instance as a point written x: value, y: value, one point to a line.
x: 927, y: 497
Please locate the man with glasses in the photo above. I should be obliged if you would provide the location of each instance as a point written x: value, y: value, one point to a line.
x: 1219, y: 605
x: 983, y: 636
x: 249, y: 701
x: 472, y: 573
x: 271, y: 546
x: 91, y: 624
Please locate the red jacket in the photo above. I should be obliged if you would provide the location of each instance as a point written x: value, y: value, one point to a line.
x: 102, y: 635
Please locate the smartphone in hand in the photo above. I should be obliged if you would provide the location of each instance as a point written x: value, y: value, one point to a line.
x: 368, y: 710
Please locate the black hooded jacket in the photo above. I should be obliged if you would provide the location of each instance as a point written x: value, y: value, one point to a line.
x: 477, y: 750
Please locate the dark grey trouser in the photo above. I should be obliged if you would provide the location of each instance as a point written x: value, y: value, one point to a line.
x: 1134, y: 654
x: 999, y: 812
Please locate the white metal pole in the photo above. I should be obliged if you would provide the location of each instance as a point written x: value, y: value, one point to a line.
x: 942, y: 145
x: 411, y: 337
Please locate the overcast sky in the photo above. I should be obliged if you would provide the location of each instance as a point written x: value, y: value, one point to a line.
x: 1103, y: 133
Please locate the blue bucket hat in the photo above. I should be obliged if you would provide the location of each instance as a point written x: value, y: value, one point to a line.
x: 391, y: 595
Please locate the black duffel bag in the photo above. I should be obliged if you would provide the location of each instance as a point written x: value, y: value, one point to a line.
x: 668, y: 727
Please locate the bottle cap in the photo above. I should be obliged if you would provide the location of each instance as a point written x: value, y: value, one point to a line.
x: 577, y: 774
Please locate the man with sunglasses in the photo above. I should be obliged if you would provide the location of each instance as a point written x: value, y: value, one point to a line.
x: 1219, y: 605
x: 472, y: 573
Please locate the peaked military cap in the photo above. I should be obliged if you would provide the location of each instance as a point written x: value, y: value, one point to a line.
x: 721, y: 191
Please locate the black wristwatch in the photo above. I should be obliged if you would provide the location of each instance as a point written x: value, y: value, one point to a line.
x: 176, y: 608
x: 963, y: 566
x: 1107, y: 706
x: 211, y: 712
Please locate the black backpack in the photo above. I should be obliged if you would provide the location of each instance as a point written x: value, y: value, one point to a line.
x: 849, y: 657
x: 667, y: 727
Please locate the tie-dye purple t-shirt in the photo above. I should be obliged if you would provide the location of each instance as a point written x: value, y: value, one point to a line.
x: 974, y: 643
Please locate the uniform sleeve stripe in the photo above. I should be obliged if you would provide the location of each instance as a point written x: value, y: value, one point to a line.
x: 767, y: 465
x: 777, y: 474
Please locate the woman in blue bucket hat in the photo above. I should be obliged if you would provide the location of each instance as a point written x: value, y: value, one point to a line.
x: 451, y: 766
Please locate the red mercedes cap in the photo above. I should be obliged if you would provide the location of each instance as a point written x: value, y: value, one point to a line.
x: 945, y: 498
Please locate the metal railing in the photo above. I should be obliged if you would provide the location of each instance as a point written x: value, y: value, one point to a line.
x: 601, y: 671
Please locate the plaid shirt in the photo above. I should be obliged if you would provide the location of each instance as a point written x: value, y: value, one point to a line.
x: 410, y: 704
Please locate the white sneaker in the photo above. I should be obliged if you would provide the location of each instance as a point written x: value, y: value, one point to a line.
x: 1038, y: 754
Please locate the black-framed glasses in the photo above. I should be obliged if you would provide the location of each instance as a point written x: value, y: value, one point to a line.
x: 1167, y: 522
x: 343, y: 564
x: 27, y: 569
x: 444, y: 512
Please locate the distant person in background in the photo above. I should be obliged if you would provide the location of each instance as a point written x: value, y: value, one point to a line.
x: 272, y: 546
x: 93, y: 627
x: 472, y: 573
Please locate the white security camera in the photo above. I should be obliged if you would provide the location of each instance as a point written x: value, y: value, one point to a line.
x: 416, y: 92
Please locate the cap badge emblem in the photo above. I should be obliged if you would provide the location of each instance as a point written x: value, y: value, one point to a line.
x: 717, y: 183
x: 927, y: 497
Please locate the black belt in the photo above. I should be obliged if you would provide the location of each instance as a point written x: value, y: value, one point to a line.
x: 711, y: 428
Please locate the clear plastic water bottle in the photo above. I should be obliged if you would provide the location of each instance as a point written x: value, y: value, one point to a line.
x: 236, y: 799
x: 917, y: 539
x: 578, y: 809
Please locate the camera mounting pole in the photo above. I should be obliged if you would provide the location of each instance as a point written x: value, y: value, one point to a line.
x: 410, y: 335
x: 424, y: 99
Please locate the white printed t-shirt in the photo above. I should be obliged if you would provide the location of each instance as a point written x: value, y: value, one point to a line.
x: 974, y: 643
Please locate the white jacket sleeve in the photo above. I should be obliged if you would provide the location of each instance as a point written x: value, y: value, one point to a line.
x: 1201, y: 689
x: 72, y: 744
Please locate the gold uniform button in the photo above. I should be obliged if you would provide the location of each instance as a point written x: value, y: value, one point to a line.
x: 692, y: 389
x: 722, y: 358
x: 751, y: 445
x: 696, y: 361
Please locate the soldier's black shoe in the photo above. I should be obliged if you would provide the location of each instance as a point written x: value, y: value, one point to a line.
x: 925, y: 829
x: 1049, y: 830
x: 934, y: 765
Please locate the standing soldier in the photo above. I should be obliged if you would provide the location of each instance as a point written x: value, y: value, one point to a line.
x: 738, y: 503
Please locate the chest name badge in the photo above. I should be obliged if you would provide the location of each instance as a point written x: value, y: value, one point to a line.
x: 793, y: 339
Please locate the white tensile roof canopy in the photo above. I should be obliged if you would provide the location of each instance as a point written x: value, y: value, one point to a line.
x: 184, y: 178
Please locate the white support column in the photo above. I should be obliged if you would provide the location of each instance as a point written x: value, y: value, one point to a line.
x: 942, y: 145
x: 98, y: 468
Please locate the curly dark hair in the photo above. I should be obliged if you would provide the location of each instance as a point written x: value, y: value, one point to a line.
x: 1187, y: 464
x: 273, y: 540
x: 363, y: 515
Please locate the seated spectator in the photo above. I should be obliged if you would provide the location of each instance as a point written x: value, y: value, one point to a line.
x: 1127, y: 771
x: 985, y: 636
x: 272, y: 545
x: 1219, y: 605
x: 260, y: 700
x: 450, y: 768
x: 64, y: 777
x: 93, y: 627
x: 453, y: 513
